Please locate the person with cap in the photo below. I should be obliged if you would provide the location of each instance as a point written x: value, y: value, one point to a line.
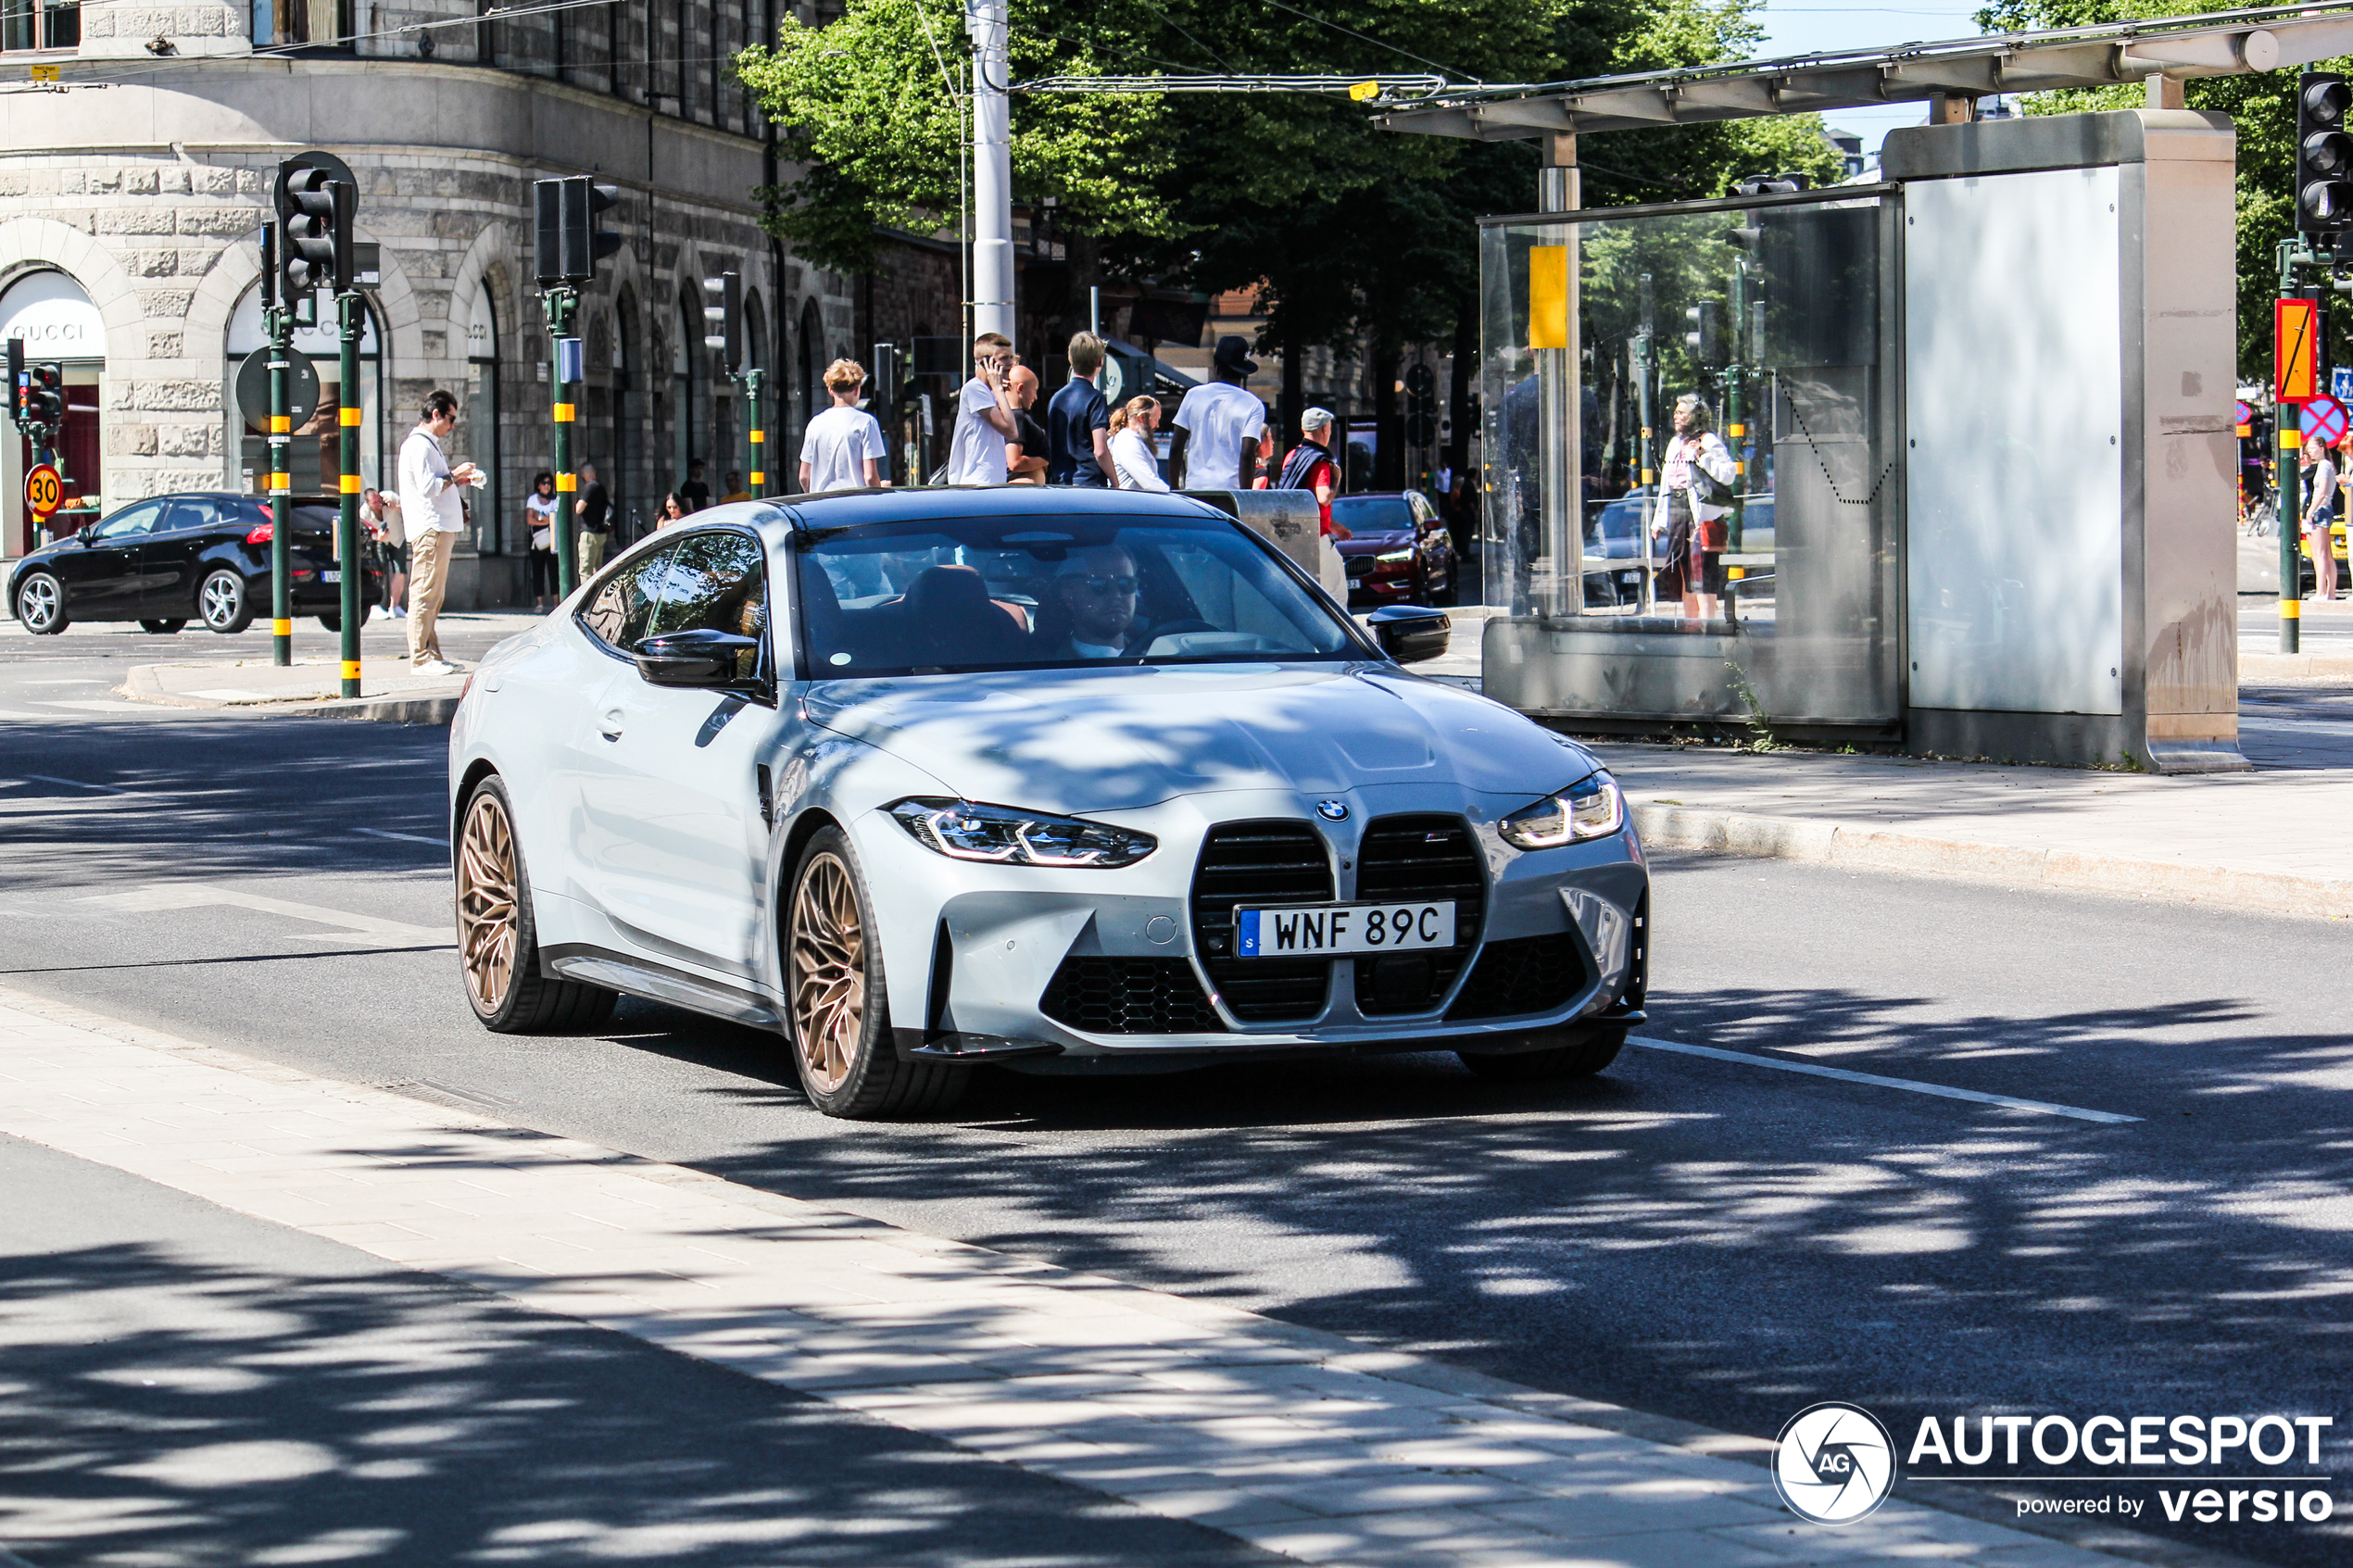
x: 1311, y: 466
x: 1217, y: 425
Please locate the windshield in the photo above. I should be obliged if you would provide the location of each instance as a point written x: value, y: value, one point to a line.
x: 1373, y: 514
x: 1010, y: 593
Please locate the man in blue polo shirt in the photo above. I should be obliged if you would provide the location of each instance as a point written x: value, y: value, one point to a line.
x: 1078, y: 423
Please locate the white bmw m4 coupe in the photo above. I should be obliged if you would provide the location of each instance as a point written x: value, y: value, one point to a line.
x: 1060, y: 780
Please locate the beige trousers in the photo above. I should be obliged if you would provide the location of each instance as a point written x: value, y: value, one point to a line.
x: 428, y: 580
x: 592, y: 553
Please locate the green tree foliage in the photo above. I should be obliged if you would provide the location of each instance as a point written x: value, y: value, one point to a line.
x: 1343, y: 226
x: 2264, y: 107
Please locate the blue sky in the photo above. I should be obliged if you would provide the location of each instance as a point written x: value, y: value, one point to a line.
x: 1804, y: 26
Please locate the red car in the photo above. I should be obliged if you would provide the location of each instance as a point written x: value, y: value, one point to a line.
x: 1401, y: 553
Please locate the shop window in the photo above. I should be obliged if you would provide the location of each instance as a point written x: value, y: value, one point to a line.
x: 315, y: 458
x: 320, y: 23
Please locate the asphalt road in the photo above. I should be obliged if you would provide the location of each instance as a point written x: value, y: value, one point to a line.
x: 1715, y: 1241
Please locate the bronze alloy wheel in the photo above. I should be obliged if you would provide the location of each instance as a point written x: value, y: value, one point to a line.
x: 828, y: 971
x: 487, y: 905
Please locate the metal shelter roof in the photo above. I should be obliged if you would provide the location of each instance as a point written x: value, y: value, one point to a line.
x: 2215, y: 43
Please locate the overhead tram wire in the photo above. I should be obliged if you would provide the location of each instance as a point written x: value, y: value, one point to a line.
x: 1376, y: 43
x: 1237, y: 83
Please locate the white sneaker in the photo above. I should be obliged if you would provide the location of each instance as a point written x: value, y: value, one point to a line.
x: 436, y: 667
x: 399, y: 613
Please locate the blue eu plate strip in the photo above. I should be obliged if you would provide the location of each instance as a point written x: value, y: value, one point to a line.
x: 1246, y: 934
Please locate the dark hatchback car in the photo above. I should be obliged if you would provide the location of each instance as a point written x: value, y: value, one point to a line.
x: 1400, y: 553
x: 168, y: 561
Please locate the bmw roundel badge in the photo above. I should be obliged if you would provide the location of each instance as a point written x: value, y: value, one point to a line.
x: 1332, y: 810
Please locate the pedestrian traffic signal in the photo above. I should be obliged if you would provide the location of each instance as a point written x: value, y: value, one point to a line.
x: 18, y: 384
x: 1705, y: 339
x: 570, y: 243
x: 45, y: 398
x: 316, y: 214
x: 723, y: 310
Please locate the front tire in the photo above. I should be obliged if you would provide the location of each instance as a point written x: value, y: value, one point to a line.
x: 499, y: 939
x: 222, y: 603
x: 41, y: 604
x: 162, y: 628
x: 1582, y: 1056
x: 838, y: 1009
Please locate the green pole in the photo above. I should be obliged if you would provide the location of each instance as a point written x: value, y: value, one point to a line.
x: 1733, y: 400
x: 352, y: 565
x: 278, y: 322
x: 559, y: 302
x: 757, y: 433
x: 2288, y: 456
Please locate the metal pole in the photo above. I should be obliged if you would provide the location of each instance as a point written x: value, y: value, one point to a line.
x: 1095, y: 310
x: 993, y: 171
x: 1642, y: 342
x: 755, y: 433
x: 348, y: 560
x: 278, y: 321
x: 2290, y: 457
x: 1732, y: 410
x: 559, y: 302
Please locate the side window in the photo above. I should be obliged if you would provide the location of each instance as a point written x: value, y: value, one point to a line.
x: 188, y: 513
x: 622, y: 611
x: 717, y: 582
x: 130, y: 521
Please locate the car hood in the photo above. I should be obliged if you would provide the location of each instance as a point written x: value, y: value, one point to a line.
x: 1366, y: 543
x: 1096, y: 740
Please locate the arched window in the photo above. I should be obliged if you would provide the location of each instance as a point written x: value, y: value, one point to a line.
x: 479, y: 429
x: 684, y: 358
x: 315, y: 460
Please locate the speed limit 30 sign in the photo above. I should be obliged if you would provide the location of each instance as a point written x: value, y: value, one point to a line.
x: 44, y: 491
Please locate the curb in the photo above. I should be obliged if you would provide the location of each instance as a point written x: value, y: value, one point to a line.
x: 141, y: 684
x: 1791, y: 838
x: 2258, y: 667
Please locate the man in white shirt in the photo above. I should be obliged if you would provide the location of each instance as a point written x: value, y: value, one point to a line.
x: 1217, y: 426
x: 842, y: 448
x: 984, y: 416
x: 435, y: 516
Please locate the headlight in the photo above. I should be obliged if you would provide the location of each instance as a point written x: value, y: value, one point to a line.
x: 1591, y: 807
x: 962, y: 831
x: 1394, y: 555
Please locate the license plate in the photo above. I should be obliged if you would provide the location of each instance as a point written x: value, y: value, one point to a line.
x: 331, y: 575
x: 1336, y: 930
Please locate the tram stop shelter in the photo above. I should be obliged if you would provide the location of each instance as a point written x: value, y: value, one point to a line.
x: 1983, y: 407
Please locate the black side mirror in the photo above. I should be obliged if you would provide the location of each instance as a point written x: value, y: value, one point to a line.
x: 699, y: 658
x: 1410, y: 633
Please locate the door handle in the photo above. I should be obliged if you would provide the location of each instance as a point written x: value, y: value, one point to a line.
x: 609, y: 724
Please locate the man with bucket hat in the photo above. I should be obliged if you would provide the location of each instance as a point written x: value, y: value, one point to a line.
x: 1218, y: 424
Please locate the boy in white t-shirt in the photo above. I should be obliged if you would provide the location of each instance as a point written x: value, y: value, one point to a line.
x: 842, y: 448
x: 984, y: 422
x: 1217, y: 425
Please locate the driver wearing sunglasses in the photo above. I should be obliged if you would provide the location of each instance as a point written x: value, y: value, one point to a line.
x: 1095, y: 595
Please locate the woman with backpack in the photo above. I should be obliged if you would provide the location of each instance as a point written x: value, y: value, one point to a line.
x: 1694, y: 497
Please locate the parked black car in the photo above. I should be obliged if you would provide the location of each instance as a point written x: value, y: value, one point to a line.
x: 1402, y: 553
x: 168, y: 561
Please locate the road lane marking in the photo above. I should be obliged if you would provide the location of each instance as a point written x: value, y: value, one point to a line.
x: 200, y: 894
x: 404, y: 837
x: 77, y: 784
x: 1942, y: 1091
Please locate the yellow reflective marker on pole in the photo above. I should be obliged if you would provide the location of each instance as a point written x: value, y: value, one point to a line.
x: 1547, y: 296
x: 282, y: 628
x: 349, y: 416
x: 351, y: 670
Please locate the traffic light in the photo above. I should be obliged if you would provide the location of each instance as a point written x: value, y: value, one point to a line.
x: 316, y: 214
x: 18, y: 385
x: 2324, y: 154
x: 570, y: 243
x: 1704, y: 340
x: 45, y: 398
x: 724, y: 309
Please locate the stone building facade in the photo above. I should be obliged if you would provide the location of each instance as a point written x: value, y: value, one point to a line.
x: 131, y: 201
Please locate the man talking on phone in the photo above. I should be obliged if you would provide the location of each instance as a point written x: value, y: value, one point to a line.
x: 435, y: 516
x: 984, y: 416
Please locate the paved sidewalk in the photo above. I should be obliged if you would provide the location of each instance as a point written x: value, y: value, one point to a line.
x: 310, y: 685
x: 1302, y: 1443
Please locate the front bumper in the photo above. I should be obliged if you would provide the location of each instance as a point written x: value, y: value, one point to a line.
x: 984, y: 960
